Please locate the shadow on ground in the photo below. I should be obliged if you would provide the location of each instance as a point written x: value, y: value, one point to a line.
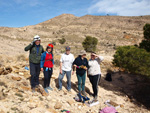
x: 74, y: 86
x: 136, y: 87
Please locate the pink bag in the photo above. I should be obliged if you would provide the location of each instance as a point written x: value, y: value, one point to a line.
x: 108, y: 110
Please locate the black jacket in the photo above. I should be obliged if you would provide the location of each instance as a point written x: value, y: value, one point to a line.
x: 79, y: 62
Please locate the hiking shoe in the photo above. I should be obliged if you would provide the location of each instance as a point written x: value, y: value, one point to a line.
x: 46, y: 90
x: 59, y: 89
x: 83, y: 93
x: 49, y: 88
x: 33, y: 90
x: 69, y: 90
x: 37, y: 86
x: 95, y: 98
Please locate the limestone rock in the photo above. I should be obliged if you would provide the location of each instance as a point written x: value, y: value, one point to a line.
x: 51, y: 110
x: 16, y: 78
x: 70, y: 102
x: 42, y: 91
x: 58, y: 105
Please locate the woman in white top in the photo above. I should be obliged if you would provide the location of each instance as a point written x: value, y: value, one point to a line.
x: 94, y: 72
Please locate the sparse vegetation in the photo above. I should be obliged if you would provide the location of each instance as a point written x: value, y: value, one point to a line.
x: 89, y: 44
x: 62, y: 41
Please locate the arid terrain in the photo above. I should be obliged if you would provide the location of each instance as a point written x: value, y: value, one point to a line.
x: 111, y: 32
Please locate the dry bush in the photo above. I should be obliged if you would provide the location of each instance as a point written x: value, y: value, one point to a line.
x: 21, y: 57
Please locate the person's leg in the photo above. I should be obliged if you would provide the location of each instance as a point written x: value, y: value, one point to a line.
x: 33, y: 74
x: 49, y: 78
x: 96, y: 80
x: 46, y: 77
x: 37, y: 74
x: 61, y: 76
x: 68, y: 74
x: 79, y: 83
x: 91, y: 81
x: 83, y: 84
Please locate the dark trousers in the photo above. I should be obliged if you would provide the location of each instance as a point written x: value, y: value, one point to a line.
x: 94, y: 81
x: 47, y: 76
x: 35, y: 72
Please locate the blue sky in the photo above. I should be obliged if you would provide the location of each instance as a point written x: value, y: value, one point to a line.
x: 19, y: 13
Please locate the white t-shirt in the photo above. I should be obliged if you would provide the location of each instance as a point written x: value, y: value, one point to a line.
x: 94, y: 66
x: 67, y: 61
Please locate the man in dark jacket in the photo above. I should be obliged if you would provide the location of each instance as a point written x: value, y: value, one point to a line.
x: 34, y: 59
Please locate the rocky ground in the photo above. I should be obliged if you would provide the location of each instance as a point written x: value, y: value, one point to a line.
x: 129, y: 91
x: 17, y: 97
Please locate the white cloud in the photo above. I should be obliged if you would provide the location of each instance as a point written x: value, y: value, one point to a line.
x: 121, y: 7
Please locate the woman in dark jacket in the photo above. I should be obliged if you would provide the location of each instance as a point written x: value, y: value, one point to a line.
x: 81, y: 65
x: 47, y: 63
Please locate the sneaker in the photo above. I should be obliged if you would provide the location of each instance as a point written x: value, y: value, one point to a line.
x: 83, y: 93
x: 69, y: 90
x: 49, y: 88
x: 95, y: 98
x: 33, y: 90
x: 37, y: 86
x: 59, y: 89
x: 46, y: 90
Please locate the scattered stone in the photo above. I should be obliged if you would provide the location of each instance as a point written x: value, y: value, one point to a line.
x: 70, y: 102
x: 2, y: 95
x: 51, y: 110
x: 58, y: 105
x: 20, y: 73
x: 41, y: 90
x: 26, y: 88
x: 16, y: 78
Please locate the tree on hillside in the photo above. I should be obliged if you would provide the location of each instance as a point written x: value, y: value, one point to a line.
x: 145, y: 44
x: 89, y: 44
x: 133, y: 59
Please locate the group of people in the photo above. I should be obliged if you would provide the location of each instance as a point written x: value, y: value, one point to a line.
x: 41, y: 60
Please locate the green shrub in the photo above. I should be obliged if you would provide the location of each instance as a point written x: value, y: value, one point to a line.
x: 133, y: 59
x: 89, y: 44
x: 62, y: 41
x: 145, y: 44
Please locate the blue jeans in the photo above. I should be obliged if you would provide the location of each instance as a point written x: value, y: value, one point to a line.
x: 35, y: 72
x: 61, y: 76
x: 47, y: 76
x: 81, y: 81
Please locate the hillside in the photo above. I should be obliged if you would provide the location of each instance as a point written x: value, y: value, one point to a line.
x: 126, y: 90
x: 111, y: 31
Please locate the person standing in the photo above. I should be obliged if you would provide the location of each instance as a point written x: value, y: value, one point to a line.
x: 94, y: 72
x: 34, y: 59
x: 66, y: 62
x: 81, y: 66
x: 47, y: 62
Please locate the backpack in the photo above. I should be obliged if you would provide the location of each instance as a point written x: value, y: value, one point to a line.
x: 108, y: 77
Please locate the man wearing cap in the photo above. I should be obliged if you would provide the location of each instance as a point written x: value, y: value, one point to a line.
x: 36, y: 51
x: 65, y: 68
